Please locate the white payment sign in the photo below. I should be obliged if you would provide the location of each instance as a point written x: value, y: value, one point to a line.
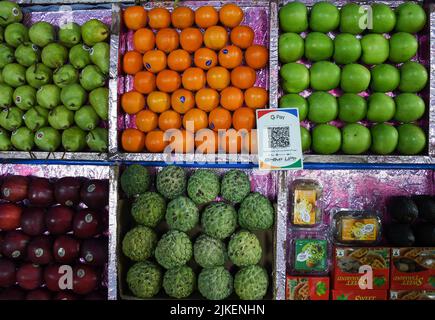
x: 279, y: 139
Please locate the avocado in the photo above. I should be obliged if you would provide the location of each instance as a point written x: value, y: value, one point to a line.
x: 425, y: 234
x: 426, y: 207
x: 403, y: 209
x: 400, y: 235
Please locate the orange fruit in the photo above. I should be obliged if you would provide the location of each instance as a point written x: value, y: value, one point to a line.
x: 256, y: 97
x: 146, y: 120
x: 144, y: 40
x: 159, y: 18
x: 182, y: 100
x: 132, y: 62
x: 218, y: 78
x: 195, y: 119
x: 132, y: 102
x: 155, y: 142
x: 193, y: 79
x: 206, y: 16
x: 179, y: 60
x: 230, y: 15
x: 182, y: 17
x: 215, y: 37
x: 256, y: 56
x: 207, y: 99
x: 206, y: 141
x: 231, y: 98
x: 144, y: 82
x: 242, y: 36
x: 243, y: 77
x: 230, y: 57
x: 230, y: 141
x: 205, y: 58
x: 158, y: 101
x: 135, y: 17
x: 167, y: 40
x: 244, y: 118
x: 168, y: 80
x: 169, y: 120
x: 219, y: 119
x: 133, y: 140
x: 154, y: 60
x: 191, y: 39
x: 180, y: 141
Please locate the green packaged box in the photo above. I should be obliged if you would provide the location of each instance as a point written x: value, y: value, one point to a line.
x: 311, y: 255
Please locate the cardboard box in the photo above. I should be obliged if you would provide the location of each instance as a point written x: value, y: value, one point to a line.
x: 349, y: 260
x: 307, y: 288
x: 412, y: 295
x: 343, y: 294
x: 413, y: 268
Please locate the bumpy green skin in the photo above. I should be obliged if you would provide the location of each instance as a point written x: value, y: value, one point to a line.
x: 235, y: 186
x: 149, y: 209
x: 182, y: 214
x: 144, y: 279
x: 203, y: 186
x: 250, y: 283
x: 135, y: 180
x: 219, y: 220
x: 139, y: 243
x: 256, y: 212
x: 179, y: 282
x: 209, y: 252
x: 171, y: 182
x: 244, y: 249
x: 215, y: 283
x: 174, y: 249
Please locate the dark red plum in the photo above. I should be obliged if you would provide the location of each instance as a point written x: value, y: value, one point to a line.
x: 38, y: 294
x: 39, y: 250
x: 10, y: 216
x: 12, y: 293
x: 33, y: 221
x: 59, y: 219
x: 66, y: 249
x: 52, y: 277
x: 85, y: 279
x: 29, y: 276
x: 7, y: 273
x: 86, y: 224
x: 67, y: 191
x: 14, y: 188
x: 40, y: 192
x: 94, y: 251
x: 14, y: 245
x: 95, y: 194
x: 65, y: 295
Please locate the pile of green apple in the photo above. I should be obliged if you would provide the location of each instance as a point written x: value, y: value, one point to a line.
x: 52, y: 84
x: 374, y: 61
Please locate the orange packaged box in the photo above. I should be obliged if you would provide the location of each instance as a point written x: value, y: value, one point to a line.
x: 342, y: 294
x: 307, y: 288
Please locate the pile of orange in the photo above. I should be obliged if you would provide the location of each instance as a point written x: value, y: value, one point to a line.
x: 194, y: 77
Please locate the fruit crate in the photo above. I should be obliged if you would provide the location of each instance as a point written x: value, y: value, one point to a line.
x: 343, y: 189
x: 263, y: 182
x: 425, y: 55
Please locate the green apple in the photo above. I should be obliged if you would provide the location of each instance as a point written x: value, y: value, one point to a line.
x: 410, y: 17
x: 383, y: 18
x: 324, y: 17
x: 409, y: 107
x: 355, y: 78
x: 347, y: 48
x: 384, y: 138
x: 412, y: 139
x: 293, y: 100
x: 324, y: 76
x: 375, y: 49
x: 403, y: 46
x: 326, y: 139
x: 413, y: 77
x: 293, y: 17
x: 318, y: 46
x: 351, y: 108
x: 305, y: 139
x: 296, y: 77
x: 356, y: 139
x: 381, y: 107
x: 290, y: 47
x: 385, y: 78
x: 350, y: 18
x: 322, y: 108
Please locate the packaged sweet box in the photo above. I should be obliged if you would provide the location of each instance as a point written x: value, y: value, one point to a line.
x: 344, y: 294
x: 307, y: 288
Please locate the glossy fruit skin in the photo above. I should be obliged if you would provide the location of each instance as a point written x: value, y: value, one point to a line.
x: 59, y: 219
x: 29, y: 276
x: 10, y: 215
x: 95, y: 193
x: 39, y: 250
x: 85, y: 279
x: 14, y: 188
x: 38, y: 294
x: 7, y: 273
x: 52, y: 276
x: 384, y: 138
x: 33, y: 221
x: 326, y: 139
x: 318, y: 46
x: 14, y: 245
x: 412, y: 139
x: 67, y: 191
x: 86, y: 224
x: 410, y: 17
x: 94, y: 251
x: 293, y: 17
x: 356, y: 139
x: 65, y: 249
x: 40, y: 192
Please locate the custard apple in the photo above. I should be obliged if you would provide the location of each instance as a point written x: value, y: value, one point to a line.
x: 135, y: 180
x: 203, y: 186
x: 139, y: 243
x: 209, y: 252
x: 171, y: 182
x: 256, y: 212
x: 179, y: 282
x: 149, y: 209
x: 144, y: 279
x: 215, y: 283
x: 174, y: 249
x: 182, y: 214
x: 235, y: 186
x: 244, y: 249
x: 219, y: 220
x: 250, y: 283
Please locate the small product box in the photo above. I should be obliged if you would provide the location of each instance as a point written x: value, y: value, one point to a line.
x: 307, y: 288
x: 349, y: 294
x: 412, y: 295
x: 306, y: 212
x: 347, y: 264
x: 310, y: 255
x: 413, y: 268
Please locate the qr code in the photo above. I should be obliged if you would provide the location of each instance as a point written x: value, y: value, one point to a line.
x: 279, y: 137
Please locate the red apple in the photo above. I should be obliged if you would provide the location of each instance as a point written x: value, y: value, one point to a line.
x: 67, y: 191
x: 66, y: 249
x: 14, y: 188
x: 10, y: 215
x: 39, y: 250
x: 52, y: 277
x: 86, y: 224
x: 7, y: 273
x: 14, y: 244
x: 59, y: 219
x: 33, y: 221
x: 85, y: 279
x: 94, y: 251
x: 12, y: 293
x: 95, y: 193
x: 29, y: 276
x: 38, y: 294
x: 40, y: 192
x: 65, y: 295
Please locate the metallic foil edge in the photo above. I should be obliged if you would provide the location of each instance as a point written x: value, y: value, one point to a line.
x: 273, y: 56
x: 113, y: 229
